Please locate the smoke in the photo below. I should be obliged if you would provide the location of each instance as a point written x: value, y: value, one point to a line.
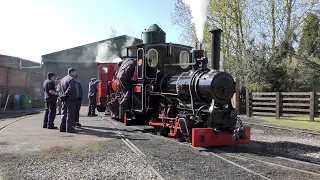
x: 110, y: 52
x: 107, y: 52
x: 199, y: 13
x: 129, y: 42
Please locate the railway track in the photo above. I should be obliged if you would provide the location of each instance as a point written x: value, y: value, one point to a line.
x: 237, y: 159
x: 12, y: 122
x: 283, y: 128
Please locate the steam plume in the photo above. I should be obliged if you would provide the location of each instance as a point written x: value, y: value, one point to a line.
x: 110, y: 52
x: 199, y: 13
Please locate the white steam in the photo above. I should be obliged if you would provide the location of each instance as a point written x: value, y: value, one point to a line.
x: 199, y: 13
x: 110, y: 52
x: 129, y: 42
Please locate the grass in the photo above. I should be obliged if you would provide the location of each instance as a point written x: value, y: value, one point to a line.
x: 65, y: 151
x: 295, y: 122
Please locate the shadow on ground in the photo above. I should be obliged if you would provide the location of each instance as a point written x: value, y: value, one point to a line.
x: 286, y: 149
x: 104, y: 132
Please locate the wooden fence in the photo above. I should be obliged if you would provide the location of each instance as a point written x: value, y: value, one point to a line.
x: 283, y: 104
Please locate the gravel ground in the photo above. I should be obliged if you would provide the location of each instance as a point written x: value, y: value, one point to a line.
x: 176, y: 160
x: 112, y: 159
x: 285, y: 143
x: 100, y: 160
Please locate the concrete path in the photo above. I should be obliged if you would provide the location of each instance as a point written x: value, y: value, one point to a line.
x: 27, y: 134
x: 28, y: 151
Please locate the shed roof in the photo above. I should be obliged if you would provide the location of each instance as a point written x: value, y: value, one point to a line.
x: 91, y: 44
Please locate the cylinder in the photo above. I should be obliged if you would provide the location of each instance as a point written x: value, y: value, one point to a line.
x: 215, y: 48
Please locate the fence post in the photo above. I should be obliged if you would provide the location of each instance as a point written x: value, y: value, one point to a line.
x: 248, y: 103
x: 278, y: 105
x: 312, y: 106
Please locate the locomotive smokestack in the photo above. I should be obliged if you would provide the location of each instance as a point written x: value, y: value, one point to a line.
x: 215, y: 48
x: 195, y: 45
x: 200, y: 48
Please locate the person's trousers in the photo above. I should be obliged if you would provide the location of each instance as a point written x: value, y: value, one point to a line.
x: 126, y: 86
x: 78, y: 106
x: 50, y: 114
x: 59, y: 105
x: 92, y: 105
x: 68, y: 115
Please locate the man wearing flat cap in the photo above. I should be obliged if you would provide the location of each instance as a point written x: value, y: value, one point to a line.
x: 92, y: 96
x: 124, y: 75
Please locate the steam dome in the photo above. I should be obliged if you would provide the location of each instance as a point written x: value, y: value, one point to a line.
x: 154, y: 35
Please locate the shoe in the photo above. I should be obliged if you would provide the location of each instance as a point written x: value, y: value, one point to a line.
x: 72, y: 131
x: 62, y: 130
x: 78, y: 124
x: 94, y: 115
x: 45, y: 127
x: 52, y: 127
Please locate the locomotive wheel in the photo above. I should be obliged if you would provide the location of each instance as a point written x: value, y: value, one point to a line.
x: 155, y: 130
x: 163, y: 131
x: 180, y: 137
x: 101, y: 109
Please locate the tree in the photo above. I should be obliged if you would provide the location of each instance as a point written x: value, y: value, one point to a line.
x: 182, y: 18
x: 113, y: 32
x: 310, y: 40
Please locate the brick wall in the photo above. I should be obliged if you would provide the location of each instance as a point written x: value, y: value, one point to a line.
x: 15, y: 81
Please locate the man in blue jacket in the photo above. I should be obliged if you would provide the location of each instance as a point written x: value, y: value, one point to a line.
x: 69, y: 101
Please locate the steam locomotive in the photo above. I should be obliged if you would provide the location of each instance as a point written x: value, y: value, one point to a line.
x: 176, y: 92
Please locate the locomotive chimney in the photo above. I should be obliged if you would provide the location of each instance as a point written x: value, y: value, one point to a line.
x: 195, y: 45
x: 200, y: 46
x: 215, y: 48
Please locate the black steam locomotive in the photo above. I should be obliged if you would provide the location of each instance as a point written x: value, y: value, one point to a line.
x: 177, y: 93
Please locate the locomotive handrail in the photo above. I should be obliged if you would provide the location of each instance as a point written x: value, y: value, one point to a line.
x: 172, y: 44
x: 179, y: 64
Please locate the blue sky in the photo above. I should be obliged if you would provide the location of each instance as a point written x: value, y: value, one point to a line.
x: 31, y: 28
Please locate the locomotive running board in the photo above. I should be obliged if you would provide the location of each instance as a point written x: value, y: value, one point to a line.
x: 206, y: 137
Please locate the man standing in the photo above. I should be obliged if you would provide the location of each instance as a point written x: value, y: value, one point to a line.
x: 79, y: 100
x: 50, y: 97
x: 58, y: 89
x: 92, y: 96
x: 69, y: 101
x: 124, y: 75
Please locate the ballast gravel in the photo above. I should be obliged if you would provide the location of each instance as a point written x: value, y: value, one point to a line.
x: 286, y: 143
x: 101, y: 160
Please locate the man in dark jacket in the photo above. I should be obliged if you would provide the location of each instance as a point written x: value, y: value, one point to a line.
x: 92, y: 96
x: 79, y: 100
x: 69, y: 101
x: 124, y: 75
x: 50, y: 96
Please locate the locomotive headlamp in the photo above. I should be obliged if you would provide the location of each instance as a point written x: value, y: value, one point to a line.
x: 105, y: 69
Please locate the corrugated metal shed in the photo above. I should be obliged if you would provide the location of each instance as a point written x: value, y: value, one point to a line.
x: 108, y: 49
x: 84, y: 58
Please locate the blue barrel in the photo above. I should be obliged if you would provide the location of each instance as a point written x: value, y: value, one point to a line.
x: 16, y: 102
